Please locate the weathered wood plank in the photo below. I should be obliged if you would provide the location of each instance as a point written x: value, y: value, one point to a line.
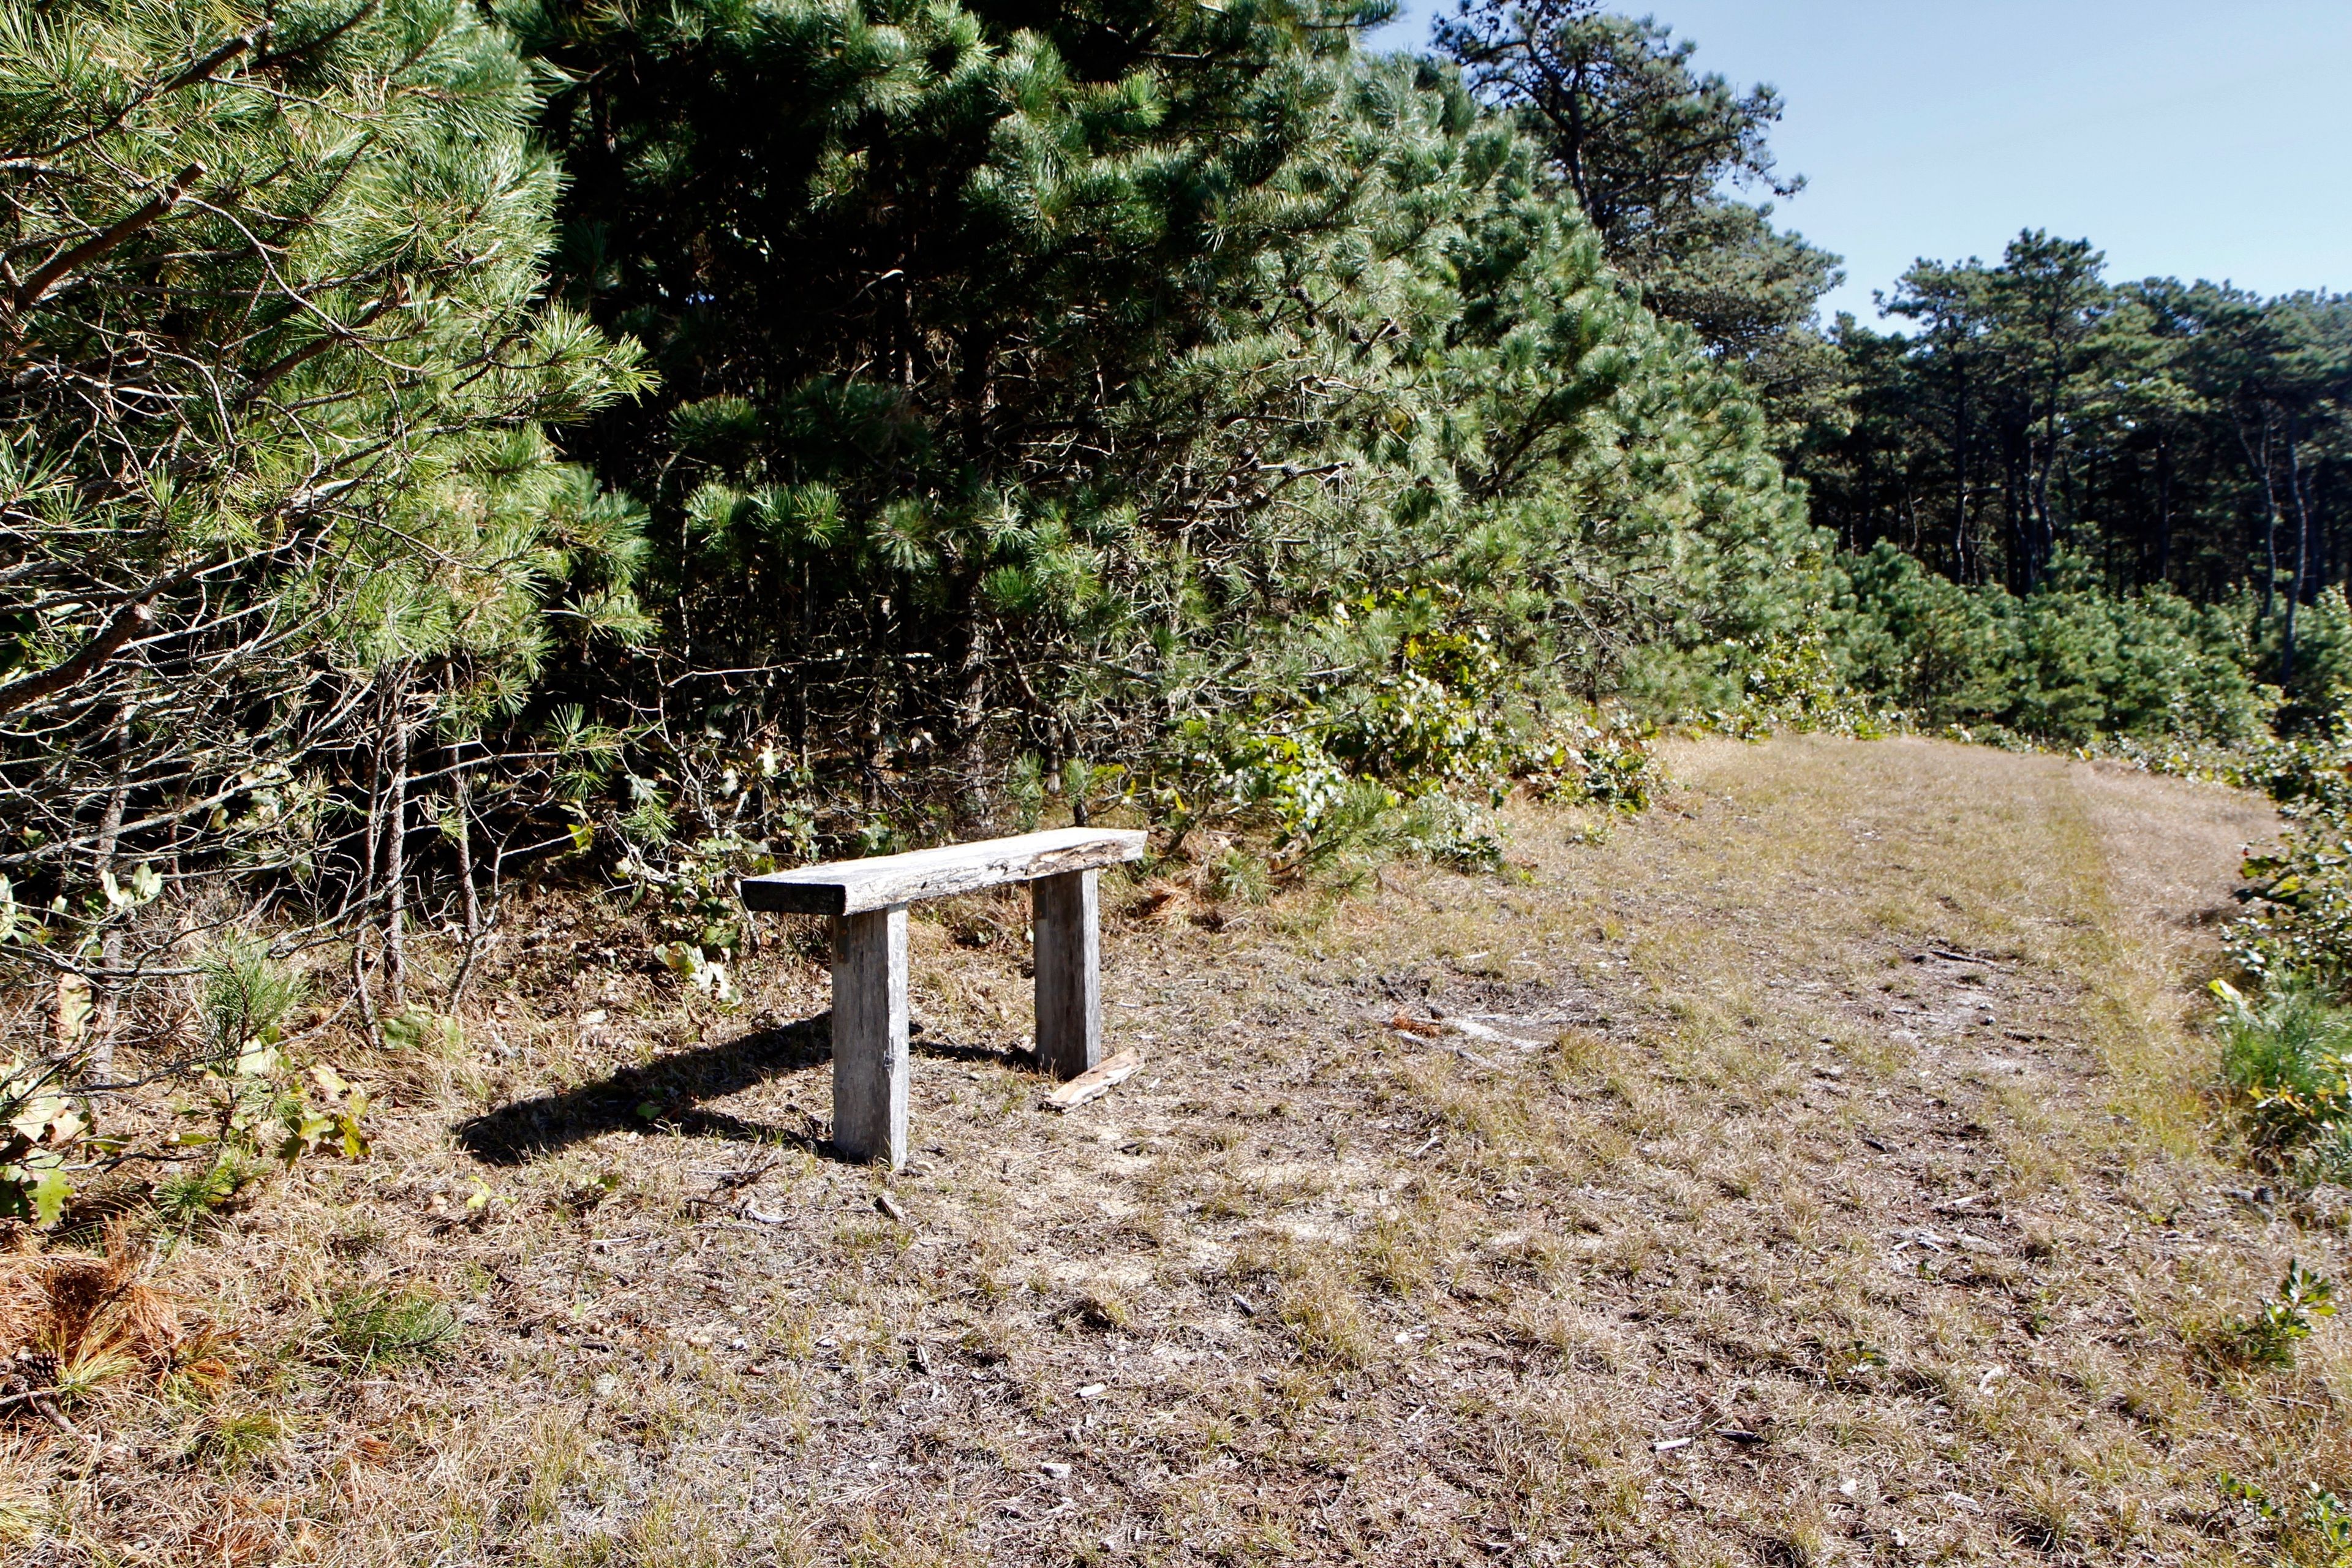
x: 1069, y: 973
x: 1094, y: 1085
x: 869, y: 1036
x: 856, y: 887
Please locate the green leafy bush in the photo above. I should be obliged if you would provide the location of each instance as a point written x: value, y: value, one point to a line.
x: 2319, y: 684
x: 2325, y: 1518
x: 251, y: 1104
x: 1609, y: 759
x: 2266, y: 1341
x: 1791, y: 680
x: 689, y: 899
x: 1418, y: 728
x: 2287, y: 1060
x: 40, y: 1127
x: 2298, y: 928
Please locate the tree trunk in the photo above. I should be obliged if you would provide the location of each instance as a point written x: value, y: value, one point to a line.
x: 2164, y: 512
x: 396, y: 863
x: 1960, y: 470
x: 461, y: 793
x: 2261, y: 459
x: 800, y: 686
x: 2302, y: 555
x: 362, y: 987
x: 110, y: 948
x: 972, y: 710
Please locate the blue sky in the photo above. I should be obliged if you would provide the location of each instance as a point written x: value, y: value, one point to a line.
x: 2202, y: 139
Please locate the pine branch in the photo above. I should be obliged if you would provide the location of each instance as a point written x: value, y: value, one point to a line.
x: 198, y: 70
x: 126, y: 624
x: 28, y: 293
x: 277, y: 57
x: 267, y: 374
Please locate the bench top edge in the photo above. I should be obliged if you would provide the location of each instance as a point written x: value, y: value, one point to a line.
x: 983, y: 862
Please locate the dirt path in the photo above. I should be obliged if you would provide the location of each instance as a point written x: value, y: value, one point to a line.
x: 1812, y: 1172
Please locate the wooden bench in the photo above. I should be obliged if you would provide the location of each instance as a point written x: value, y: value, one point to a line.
x: 867, y: 901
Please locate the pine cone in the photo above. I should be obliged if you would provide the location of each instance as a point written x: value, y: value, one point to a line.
x: 28, y: 1370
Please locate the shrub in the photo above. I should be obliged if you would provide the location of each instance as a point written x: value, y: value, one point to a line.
x: 2298, y: 929
x: 1418, y: 725
x: 2266, y: 1341
x: 2288, y: 1063
x: 2069, y: 663
x: 39, y: 1125
x: 1790, y: 680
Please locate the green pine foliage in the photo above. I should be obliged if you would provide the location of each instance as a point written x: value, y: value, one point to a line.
x: 2189, y: 436
x: 1163, y: 403
x: 274, y: 482
x: 276, y: 369
x: 1057, y: 389
x: 1657, y: 156
x: 2066, y: 664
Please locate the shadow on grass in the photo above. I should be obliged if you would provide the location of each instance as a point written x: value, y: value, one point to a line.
x: 661, y: 1096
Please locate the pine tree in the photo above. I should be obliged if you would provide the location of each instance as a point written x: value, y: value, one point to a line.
x: 1030, y: 387
x: 272, y: 492
x: 2191, y: 436
x: 1649, y: 148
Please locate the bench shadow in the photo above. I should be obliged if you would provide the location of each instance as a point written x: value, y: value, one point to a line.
x: 958, y: 1051
x: 662, y: 1094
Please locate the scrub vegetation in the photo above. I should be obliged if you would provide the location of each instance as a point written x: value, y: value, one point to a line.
x: 1686, y: 954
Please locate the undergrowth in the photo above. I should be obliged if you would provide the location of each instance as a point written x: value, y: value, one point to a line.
x: 2287, y: 1058
x: 2266, y: 1341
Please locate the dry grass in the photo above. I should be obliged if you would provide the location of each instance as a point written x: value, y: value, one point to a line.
x: 1850, y: 1204
x: 70, y: 1323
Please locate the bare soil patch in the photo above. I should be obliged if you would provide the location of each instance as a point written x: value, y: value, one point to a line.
x: 1817, y: 1170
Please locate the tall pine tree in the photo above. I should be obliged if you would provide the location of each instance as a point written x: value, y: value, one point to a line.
x: 1031, y: 376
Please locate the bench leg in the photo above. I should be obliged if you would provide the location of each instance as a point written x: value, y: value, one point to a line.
x: 869, y: 1035
x: 1069, y: 974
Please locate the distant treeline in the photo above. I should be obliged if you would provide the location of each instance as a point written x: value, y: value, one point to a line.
x: 2054, y: 456
x: 2191, y: 435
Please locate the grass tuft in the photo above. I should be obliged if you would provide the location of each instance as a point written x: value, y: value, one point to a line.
x: 231, y: 1440
x: 374, y: 1327
x: 1328, y: 1320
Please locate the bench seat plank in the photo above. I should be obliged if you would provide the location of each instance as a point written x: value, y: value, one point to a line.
x: 857, y: 886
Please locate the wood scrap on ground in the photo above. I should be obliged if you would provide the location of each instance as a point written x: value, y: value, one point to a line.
x: 1096, y: 1082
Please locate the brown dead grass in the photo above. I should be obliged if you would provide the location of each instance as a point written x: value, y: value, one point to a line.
x: 69, y: 1319
x: 1817, y: 1172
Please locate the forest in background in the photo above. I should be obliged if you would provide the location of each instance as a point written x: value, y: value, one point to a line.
x: 451, y: 446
